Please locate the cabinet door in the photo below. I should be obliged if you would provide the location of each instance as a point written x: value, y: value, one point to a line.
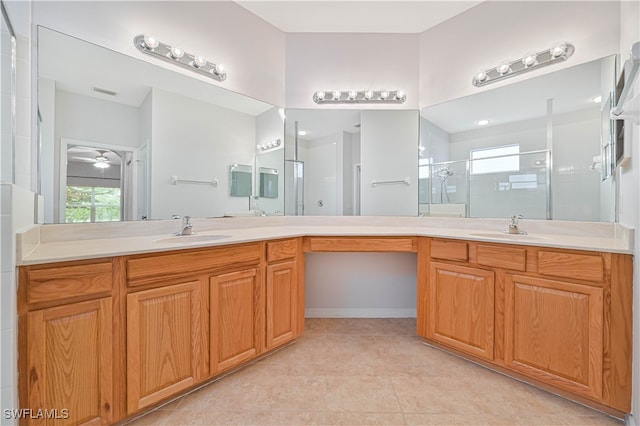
x: 70, y: 363
x: 281, y: 303
x: 163, y: 344
x: 554, y: 332
x: 235, y: 312
x: 461, y: 305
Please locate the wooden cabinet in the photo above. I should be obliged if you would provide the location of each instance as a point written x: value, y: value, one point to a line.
x: 461, y: 305
x: 236, y: 318
x: 553, y: 332
x: 163, y: 342
x: 281, y: 299
x: 70, y: 362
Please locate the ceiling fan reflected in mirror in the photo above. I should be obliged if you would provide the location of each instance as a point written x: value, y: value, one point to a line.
x: 100, y: 161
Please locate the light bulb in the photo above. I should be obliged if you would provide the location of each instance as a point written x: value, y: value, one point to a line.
x: 558, y: 50
x: 481, y: 76
x: 336, y: 95
x: 529, y: 60
x: 320, y: 96
x: 353, y: 94
x: 101, y: 165
x: 596, y: 99
x: 199, y: 61
x: 368, y: 94
x: 150, y: 42
x: 483, y: 122
x: 384, y: 94
x: 400, y: 94
x: 219, y: 69
x: 176, y: 53
x: 302, y: 133
x: 503, y: 68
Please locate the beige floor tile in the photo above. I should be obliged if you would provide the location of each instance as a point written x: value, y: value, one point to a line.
x: 361, y: 394
x: 353, y: 371
x: 350, y: 419
x: 157, y: 417
x: 302, y: 393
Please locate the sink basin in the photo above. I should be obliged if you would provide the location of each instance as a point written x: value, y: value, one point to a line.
x: 187, y: 239
x: 505, y: 236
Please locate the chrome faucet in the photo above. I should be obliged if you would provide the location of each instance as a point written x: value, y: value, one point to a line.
x: 513, y: 226
x: 186, y: 228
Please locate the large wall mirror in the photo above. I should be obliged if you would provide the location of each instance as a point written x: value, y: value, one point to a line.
x: 539, y: 148
x: 123, y: 139
x: 351, y: 162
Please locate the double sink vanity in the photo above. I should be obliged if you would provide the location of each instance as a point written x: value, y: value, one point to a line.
x: 115, y: 319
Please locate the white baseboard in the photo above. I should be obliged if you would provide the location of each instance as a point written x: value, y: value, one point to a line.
x: 629, y: 420
x: 359, y: 313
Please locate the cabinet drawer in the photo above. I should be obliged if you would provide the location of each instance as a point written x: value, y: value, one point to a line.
x: 569, y: 265
x: 279, y: 250
x: 450, y: 250
x: 363, y: 244
x: 144, y: 269
x: 502, y: 257
x: 66, y: 282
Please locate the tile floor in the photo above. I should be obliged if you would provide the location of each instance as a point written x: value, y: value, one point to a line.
x: 369, y: 372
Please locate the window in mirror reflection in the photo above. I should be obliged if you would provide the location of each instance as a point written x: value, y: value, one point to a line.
x: 92, y: 204
x: 495, y: 160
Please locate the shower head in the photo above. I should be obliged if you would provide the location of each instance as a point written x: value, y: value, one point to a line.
x: 444, y: 172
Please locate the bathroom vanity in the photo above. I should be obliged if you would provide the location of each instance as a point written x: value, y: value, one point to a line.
x: 111, y: 327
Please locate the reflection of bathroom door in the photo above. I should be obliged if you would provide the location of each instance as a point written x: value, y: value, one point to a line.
x: 294, y: 189
x: 142, y: 179
x: 357, y: 178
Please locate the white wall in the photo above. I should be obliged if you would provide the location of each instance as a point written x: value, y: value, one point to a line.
x: 495, y: 31
x: 369, y: 285
x: 389, y: 152
x: 195, y: 140
x: 576, y: 189
x: 629, y: 191
x: 251, y: 49
x: 325, y: 61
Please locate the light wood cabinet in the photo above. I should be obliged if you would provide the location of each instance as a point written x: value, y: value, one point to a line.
x: 281, y: 299
x: 163, y: 342
x: 461, y: 305
x: 236, y: 318
x: 70, y: 363
x: 553, y: 332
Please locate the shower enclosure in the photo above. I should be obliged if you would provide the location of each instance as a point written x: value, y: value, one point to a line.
x: 473, y: 187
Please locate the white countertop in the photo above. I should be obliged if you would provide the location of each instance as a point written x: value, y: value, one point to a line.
x: 56, y: 243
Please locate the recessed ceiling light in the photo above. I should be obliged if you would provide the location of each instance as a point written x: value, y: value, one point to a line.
x: 483, y: 122
x: 596, y: 99
x: 302, y: 132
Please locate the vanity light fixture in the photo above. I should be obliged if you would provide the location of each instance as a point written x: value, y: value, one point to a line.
x: 151, y: 46
x: 360, y: 96
x: 531, y: 61
x: 272, y: 145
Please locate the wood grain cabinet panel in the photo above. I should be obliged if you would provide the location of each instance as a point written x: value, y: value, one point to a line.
x: 554, y: 332
x: 163, y: 342
x: 362, y: 244
x: 68, y: 282
x: 449, y: 250
x: 70, y: 363
x: 571, y: 265
x: 280, y: 250
x: 282, y: 294
x: 236, y: 307
x: 461, y: 306
x: 511, y: 258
